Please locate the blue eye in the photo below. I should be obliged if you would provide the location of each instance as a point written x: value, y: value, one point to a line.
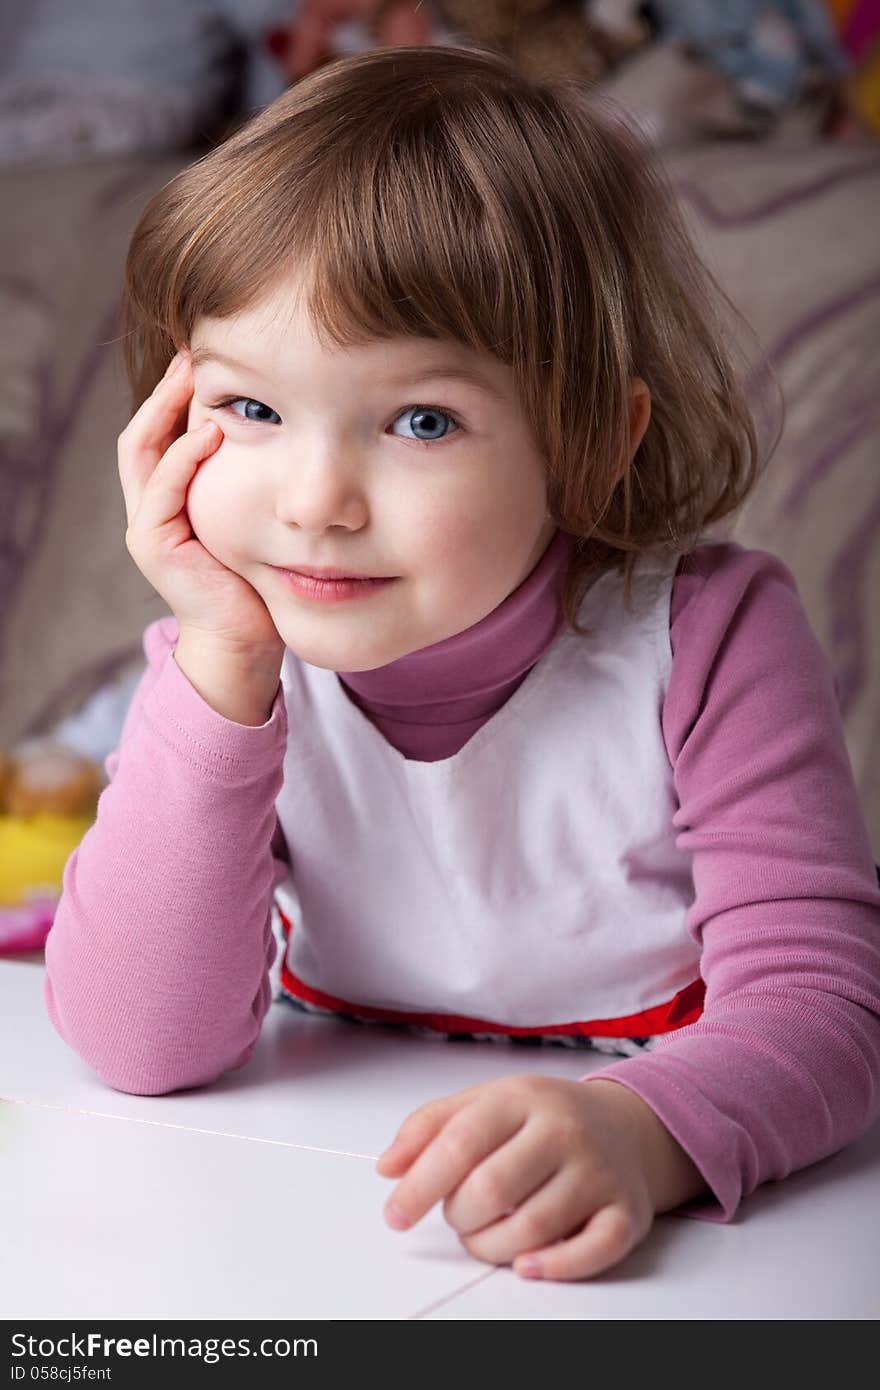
x: 249, y: 401
x: 430, y: 418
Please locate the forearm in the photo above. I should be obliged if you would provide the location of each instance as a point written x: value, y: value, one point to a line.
x: 775, y: 1075
x: 157, y: 961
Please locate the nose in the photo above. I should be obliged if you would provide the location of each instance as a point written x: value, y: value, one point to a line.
x: 322, y: 486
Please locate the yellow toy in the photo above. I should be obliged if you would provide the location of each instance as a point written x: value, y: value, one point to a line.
x: 48, y: 799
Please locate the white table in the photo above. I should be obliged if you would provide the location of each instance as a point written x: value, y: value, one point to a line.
x: 257, y: 1197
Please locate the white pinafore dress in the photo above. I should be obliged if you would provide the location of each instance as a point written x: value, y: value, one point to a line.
x: 529, y: 886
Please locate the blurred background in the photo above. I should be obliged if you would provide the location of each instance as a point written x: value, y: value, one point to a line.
x: 767, y: 116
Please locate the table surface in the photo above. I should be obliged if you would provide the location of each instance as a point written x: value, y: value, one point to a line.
x: 256, y: 1197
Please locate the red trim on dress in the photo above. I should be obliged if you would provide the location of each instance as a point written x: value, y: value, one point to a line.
x: 685, y: 1007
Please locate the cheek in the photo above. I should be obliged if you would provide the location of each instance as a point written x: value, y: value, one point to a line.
x: 216, y: 505
x: 468, y: 533
x: 442, y: 536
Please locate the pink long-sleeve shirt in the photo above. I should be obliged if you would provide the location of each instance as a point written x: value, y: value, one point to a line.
x: 158, y: 960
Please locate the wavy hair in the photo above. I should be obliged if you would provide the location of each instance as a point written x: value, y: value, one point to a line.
x: 435, y: 191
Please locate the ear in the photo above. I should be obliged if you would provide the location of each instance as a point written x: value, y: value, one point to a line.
x: 639, y: 413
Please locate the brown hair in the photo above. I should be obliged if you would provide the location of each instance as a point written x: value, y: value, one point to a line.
x: 435, y: 191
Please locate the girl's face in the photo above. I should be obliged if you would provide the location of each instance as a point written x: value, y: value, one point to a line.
x: 377, y: 460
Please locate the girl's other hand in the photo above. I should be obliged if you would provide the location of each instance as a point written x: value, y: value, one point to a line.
x: 562, y: 1178
x: 158, y: 459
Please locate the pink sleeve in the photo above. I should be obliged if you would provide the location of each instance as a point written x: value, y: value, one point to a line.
x: 157, y: 962
x: 783, y: 1066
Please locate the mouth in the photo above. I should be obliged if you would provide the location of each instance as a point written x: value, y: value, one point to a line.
x: 330, y: 572
x: 333, y: 586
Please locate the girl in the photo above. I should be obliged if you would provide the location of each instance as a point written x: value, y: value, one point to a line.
x: 456, y: 693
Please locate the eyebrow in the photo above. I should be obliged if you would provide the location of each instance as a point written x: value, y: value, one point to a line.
x: 450, y: 371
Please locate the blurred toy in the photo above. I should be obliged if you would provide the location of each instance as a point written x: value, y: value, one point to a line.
x: 773, y: 52
x: 544, y: 38
x: 49, y: 789
x: 858, y: 28
x: 48, y: 800
x: 768, y: 55
x: 323, y: 30
x: 548, y: 39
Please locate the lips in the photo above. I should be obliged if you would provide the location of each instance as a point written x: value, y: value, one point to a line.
x: 330, y: 572
x: 326, y: 590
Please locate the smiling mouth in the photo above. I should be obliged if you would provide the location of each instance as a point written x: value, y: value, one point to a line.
x: 331, y: 573
x: 323, y: 590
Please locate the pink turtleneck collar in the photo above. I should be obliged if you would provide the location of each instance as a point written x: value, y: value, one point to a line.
x: 428, y: 704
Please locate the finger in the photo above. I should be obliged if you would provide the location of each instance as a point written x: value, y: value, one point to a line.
x: 152, y: 428
x: 463, y: 1142
x: 151, y: 422
x: 608, y: 1236
x: 419, y: 1128
x: 498, y: 1186
x: 164, y: 497
x: 556, y: 1208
